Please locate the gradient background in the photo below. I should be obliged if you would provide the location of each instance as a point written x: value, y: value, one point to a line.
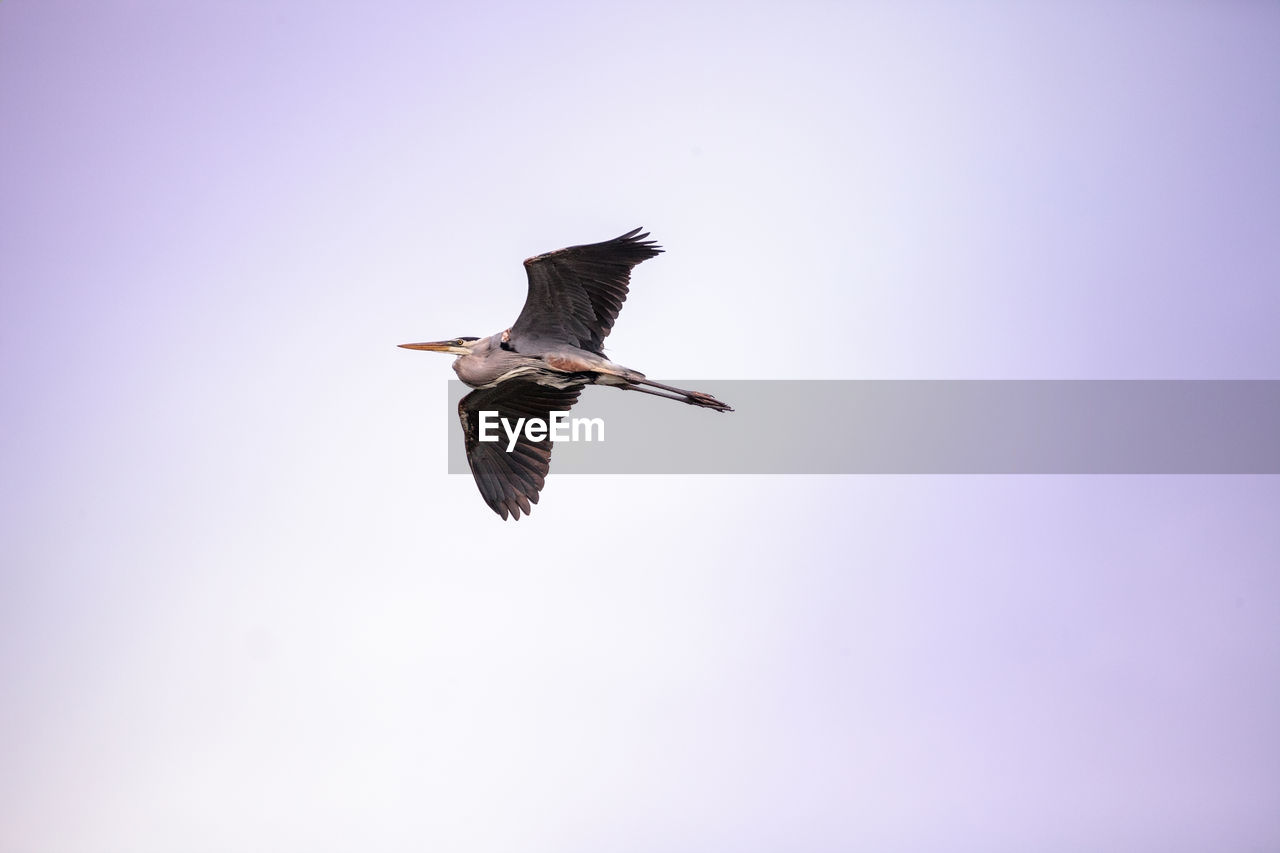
x: 244, y: 608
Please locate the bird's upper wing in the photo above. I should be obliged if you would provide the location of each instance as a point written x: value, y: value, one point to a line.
x: 575, y: 294
x: 510, y: 482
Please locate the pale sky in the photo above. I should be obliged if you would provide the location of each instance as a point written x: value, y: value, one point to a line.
x: 242, y: 605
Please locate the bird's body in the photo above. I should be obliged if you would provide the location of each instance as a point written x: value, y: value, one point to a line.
x: 540, y: 364
x: 492, y: 360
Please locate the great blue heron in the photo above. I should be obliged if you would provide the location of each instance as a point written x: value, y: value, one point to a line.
x: 540, y: 364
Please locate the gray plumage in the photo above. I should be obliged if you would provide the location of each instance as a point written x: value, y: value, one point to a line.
x: 540, y: 364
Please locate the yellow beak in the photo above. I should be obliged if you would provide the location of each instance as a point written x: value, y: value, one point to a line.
x: 437, y: 346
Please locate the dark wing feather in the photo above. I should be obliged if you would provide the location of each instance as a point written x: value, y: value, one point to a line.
x: 575, y: 294
x: 510, y: 482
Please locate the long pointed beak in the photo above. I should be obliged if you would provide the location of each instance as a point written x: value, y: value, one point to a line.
x: 434, y: 346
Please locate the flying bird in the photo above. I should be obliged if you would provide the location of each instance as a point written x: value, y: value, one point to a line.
x: 540, y: 365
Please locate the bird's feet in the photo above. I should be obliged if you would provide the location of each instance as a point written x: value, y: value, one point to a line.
x: 697, y: 398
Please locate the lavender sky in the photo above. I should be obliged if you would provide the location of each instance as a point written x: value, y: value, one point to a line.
x: 242, y: 606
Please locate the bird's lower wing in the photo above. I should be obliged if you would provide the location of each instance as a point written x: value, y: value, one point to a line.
x: 510, y: 481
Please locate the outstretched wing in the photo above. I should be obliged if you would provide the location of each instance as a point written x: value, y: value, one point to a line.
x: 510, y: 482
x: 575, y: 294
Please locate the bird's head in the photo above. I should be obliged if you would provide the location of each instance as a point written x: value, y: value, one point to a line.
x: 457, y: 346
